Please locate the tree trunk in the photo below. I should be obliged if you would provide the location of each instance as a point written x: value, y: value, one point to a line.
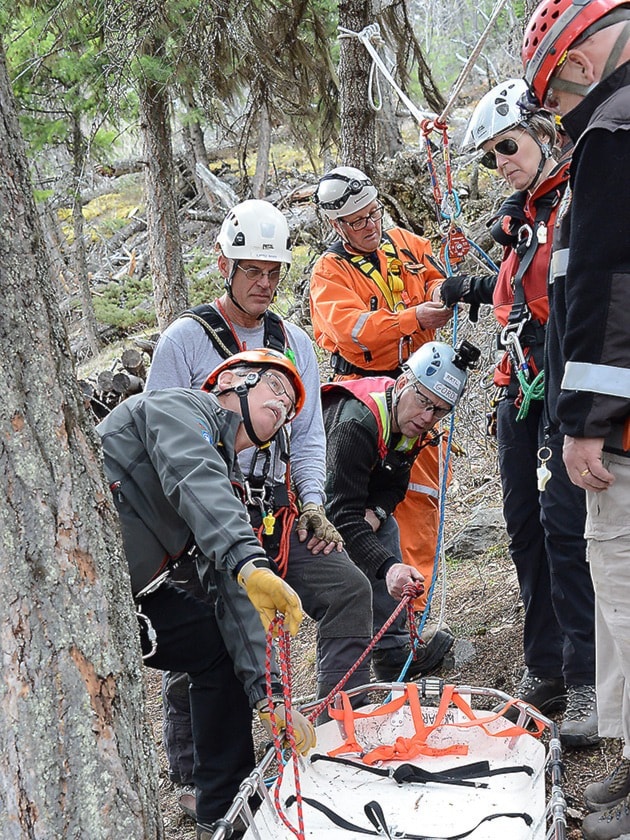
x: 76, y: 755
x: 196, y: 145
x: 358, y: 133
x: 388, y: 134
x: 170, y: 288
x: 89, y: 322
x: 261, y: 175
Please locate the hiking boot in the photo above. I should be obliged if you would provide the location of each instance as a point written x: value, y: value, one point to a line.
x: 546, y: 694
x: 611, y: 824
x: 388, y: 664
x: 579, y: 725
x: 206, y: 830
x: 598, y: 796
x: 187, y: 801
x: 431, y: 627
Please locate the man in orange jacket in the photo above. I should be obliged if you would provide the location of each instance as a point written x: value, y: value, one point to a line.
x: 375, y: 298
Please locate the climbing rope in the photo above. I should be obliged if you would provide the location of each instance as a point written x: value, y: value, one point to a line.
x: 455, y: 244
x: 534, y: 390
x: 410, y: 592
x: 284, y: 658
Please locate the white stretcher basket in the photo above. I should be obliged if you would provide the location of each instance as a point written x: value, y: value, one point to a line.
x: 521, y: 797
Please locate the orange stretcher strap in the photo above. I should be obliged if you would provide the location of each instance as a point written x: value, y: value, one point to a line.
x: 404, y: 749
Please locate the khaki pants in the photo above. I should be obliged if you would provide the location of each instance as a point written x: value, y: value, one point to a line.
x: 608, y: 552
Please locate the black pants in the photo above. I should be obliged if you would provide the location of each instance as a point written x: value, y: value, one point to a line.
x: 188, y: 639
x: 547, y: 546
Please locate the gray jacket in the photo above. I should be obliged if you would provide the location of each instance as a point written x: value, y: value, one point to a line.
x: 169, y: 455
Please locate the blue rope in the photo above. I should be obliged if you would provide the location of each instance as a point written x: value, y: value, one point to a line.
x: 438, y: 547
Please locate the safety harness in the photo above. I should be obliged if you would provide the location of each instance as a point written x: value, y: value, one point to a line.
x: 276, y: 502
x: 522, y: 329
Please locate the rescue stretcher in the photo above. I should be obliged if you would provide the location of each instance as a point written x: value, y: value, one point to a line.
x: 478, y: 776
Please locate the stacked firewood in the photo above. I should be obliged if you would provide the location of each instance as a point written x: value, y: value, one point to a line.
x: 126, y: 376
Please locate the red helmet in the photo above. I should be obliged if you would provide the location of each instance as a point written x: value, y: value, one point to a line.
x: 264, y: 358
x: 552, y: 30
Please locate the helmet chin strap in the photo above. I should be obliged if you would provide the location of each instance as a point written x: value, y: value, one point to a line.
x: 228, y: 288
x: 242, y: 392
x: 545, y: 155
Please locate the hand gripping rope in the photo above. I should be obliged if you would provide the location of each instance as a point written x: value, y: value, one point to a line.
x: 410, y: 592
x: 284, y: 658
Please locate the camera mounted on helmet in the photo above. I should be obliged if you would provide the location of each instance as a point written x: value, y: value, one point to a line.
x: 466, y: 356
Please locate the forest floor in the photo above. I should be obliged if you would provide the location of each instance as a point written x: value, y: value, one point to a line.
x: 483, y: 609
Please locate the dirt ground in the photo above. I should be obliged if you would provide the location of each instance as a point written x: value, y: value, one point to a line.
x: 483, y: 609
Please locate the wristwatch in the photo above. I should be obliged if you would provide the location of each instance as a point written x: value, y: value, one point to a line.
x: 380, y: 514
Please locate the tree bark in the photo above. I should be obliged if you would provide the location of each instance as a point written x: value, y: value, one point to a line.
x: 358, y: 133
x: 76, y: 755
x: 170, y: 288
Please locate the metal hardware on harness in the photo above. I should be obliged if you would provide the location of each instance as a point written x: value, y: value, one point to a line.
x: 403, y: 355
x: 151, y: 634
x: 510, y: 339
x: 154, y: 584
x: 525, y: 234
x: 255, y: 496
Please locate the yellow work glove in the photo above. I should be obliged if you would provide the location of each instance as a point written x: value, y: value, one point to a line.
x: 313, y: 518
x: 303, y: 729
x: 270, y: 594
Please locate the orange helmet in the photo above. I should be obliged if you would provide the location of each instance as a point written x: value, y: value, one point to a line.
x: 553, y: 29
x: 264, y: 358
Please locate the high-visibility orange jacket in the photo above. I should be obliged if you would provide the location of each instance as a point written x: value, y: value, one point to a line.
x: 362, y: 319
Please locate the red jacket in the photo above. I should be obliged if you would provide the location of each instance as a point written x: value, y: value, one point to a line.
x: 535, y: 278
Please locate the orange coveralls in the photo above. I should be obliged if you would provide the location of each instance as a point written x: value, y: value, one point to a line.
x: 376, y: 329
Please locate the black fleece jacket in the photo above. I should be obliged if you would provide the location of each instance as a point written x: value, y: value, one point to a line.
x: 590, y: 304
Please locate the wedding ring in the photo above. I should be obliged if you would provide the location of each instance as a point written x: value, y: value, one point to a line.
x: 585, y: 472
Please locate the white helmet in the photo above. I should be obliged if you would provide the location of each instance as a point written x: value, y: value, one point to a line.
x: 255, y: 230
x: 497, y: 112
x: 343, y: 191
x: 441, y: 369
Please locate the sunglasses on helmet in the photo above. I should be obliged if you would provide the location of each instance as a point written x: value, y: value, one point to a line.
x: 507, y: 147
x: 354, y: 188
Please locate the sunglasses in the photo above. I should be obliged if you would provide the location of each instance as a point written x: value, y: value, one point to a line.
x: 507, y: 147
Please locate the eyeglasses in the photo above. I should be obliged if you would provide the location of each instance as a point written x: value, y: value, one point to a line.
x: 255, y: 274
x: 507, y: 147
x: 276, y: 386
x: 375, y: 217
x: 425, y: 404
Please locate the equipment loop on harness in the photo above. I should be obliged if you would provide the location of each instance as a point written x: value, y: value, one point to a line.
x: 151, y: 634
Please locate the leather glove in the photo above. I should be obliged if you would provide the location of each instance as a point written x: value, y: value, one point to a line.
x: 270, y: 594
x: 303, y: 729
x: 313, y: 518
x: 456, y: 289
